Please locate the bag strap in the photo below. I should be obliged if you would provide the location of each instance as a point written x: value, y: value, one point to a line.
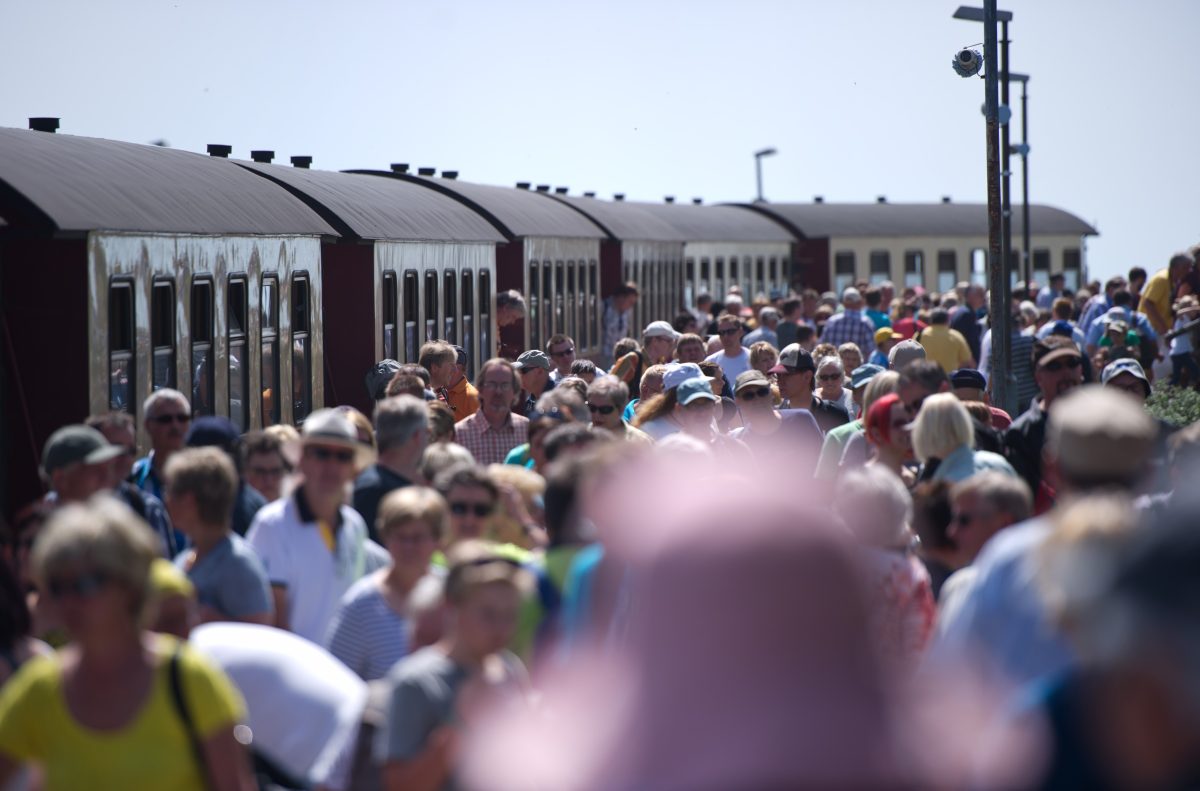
x: 175, y: 679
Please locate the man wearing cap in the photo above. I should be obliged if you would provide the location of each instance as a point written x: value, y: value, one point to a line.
x: 947, y: 347
x: 733, y: 357
x: 791, y: 437
x: 76, y: 463
x: 768, y: 322
x: 850, y: 326
x: 533, y: 367
x: 219, y: 432
x: 168, y: 415
x: 461, y: 396
x: 1058, y: 369
x: 402, y: 432
x: 377, y: 378
x: 796, y: 376
x: 658, y: 344
x: 1098, y: 305
x: 903, y: 353
x: 1095, y: 439
x: 695, y: 411
x: 312, y: 545
x: 561, y: 350
x: 969, y: 385
x: 885, y: 339
x: 1128, y: 376
x: 495, y: 429
x: 665, y: 422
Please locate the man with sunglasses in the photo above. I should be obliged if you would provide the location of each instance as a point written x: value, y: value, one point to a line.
x: 733, y: 358
x: 312, y: 545
x: 533, y: 368
x: 606, y: 399
x: 796, y: 376
x: 772, y: 434
x: 1058, y: 369
x: 168, y: 415
x: 561, y: 349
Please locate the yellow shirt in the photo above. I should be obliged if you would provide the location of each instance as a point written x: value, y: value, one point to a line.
x: 1157, y: 292
x: 151, y: 751
x: 947, y: 347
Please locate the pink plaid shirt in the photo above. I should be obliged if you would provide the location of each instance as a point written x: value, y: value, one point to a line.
x: 490, y: 445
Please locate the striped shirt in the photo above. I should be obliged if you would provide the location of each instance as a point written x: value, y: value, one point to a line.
x: 487, y: 444
x: 366, y: 634
x: 850, y: 326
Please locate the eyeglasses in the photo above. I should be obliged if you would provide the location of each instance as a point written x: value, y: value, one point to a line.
x: 1057, y: 365
x: 603, y: 410
x: 829, y: 377
x: 750, y: 395
x: 496, y: 386
x: 165, y: 420
x: 563, y: 353
x: 84, y: 586
x: 729, y: 331
x: 479, y: 509
x: 325, y: 454
x: 266, y: 472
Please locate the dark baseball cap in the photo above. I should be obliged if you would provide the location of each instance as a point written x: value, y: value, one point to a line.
x: 794, y: 357
x: 968, y: 378
x: 74, y: 444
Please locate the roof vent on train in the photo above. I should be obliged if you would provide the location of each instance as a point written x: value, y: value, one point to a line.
x: 669, y: 199
x: 426, y: 171
x: 450, y: 174
x: 543, y: 187
x: 399, y: 167
x: 945, y: 199
x: 589, y: 194
x: 818, y: 199
x: 302, y: 162
x: 218, y: 150
x: 618, y: 196
x: 524, y: 185
x: 561, y: 190
x: 881, y: 199
x: 698, y: 201
x: 262, y: 155
x: 44, y: 124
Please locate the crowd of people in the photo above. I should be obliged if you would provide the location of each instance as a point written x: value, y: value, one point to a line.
x: 779, y: 542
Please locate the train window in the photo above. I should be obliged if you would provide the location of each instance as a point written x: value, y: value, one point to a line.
x: 411, y: 307
x: 269, y: 305
x: 535, y: 306
x: 572, y: 302
x: 1072, y: 268
x: 468, y: 324
x: 689, y: 282
x: 162, y: 334
x: 843, y: 271
x: 705, y: 284
x: 301, y: 348
x: 202, y: 336
x: 560, y: 285
x: 450, y: 297
x: 593, y: 304
x: 239, y: 362
x: 761, y: 283
x: 431, y: 306
x: 389, y: 316
x: 121, y: 357
x: 947, y: 274
x: 881, y: 266
x: 548, y: 328
x: 914, y: 268
x: 1014, y: 267
x: 773, y: 270
x: 485, y: 316
x: 1041, y: 266
x: 979, y: 267
x: 720, y: 279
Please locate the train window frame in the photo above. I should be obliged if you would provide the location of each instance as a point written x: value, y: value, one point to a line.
x: 914, y: 268
x: 880, y: 267
x: 411, y: 303
x: 122, y: 345
x: 163, y: 334
x: 390, y: 315
x: 535, y: 305
x: 202, y: 295
x: 548, y: 328
x: 979, y: 266
x: 844, y: 270
x: 237, y: 335
x: 572, y: 300
x: 272, y: 409
x: 301, y: 299
x: 689, y: 282
x: 432, y: 289
x: 485, y: 316
x: 947, y: 264
x: 594, y: 333
x: 1040, y: 262
x: 467, y: 294
x: 450, y: 306
x: 560, y: 297
x: 705, y: 277
x: 1072, y: 259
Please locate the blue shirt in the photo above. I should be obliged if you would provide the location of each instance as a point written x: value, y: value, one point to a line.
x: 366, y: 634
x: 963, y: 462
x: 230, y: 578
x: 1136, y: 321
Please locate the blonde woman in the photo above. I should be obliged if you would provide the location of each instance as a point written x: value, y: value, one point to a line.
x: 943, y: 432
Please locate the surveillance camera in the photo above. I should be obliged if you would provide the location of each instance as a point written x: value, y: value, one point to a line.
x: 967, y: 62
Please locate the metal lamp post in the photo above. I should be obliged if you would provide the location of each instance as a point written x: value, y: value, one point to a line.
x: 758, y: 157
x: 1022, y: 149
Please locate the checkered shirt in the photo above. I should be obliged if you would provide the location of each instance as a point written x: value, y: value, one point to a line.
x: 490, y: 445
x: 850, y: 326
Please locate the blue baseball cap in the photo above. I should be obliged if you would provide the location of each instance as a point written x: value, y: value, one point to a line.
x: 690, y: 390
x: 863, y: 374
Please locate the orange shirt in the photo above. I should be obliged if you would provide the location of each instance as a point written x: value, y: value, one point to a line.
x: 463, y: 398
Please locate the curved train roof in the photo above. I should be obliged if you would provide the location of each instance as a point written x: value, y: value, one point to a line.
x: 79, y: 184
x: 625, y: 221
x: 373, y: 208
x: 912, y: 219
x: 715, y: 223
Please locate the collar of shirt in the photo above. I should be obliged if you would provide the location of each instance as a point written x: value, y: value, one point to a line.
x: 306, y: 514
x: 479, y: 417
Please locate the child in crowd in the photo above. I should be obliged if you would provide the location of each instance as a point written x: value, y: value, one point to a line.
x: 1187, y: 310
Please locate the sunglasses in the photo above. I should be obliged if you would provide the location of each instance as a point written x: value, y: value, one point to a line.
x: 84, y: 586
x: 165, y: 420
x: 750, y: 395
x: 729, y: 331
x: 479, y: 509
x: 1057, y: 365
x: 603, y: 410
x: 563, y: 353
x: 325, y: 454
x: 829, y: 377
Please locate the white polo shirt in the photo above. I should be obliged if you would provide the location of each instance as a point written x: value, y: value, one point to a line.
x: 285, y: 535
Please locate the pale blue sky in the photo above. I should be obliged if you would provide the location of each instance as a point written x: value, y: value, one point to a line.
x: 647, y: 98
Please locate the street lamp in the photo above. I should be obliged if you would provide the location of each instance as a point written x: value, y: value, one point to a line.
x: 758, y: 157
x: 1023, y: 149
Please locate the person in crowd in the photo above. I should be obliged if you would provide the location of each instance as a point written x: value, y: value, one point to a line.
x: 850, y: 325
x: 606, y: 401
x: 570, y: 439
x: 230, y: 582
x: 266, y: 463
x: 831, y: 378
x: 791, y: 438
x: 1021, y: 372
x: 888, y: 430
x: 402, y: 433
x: 471, y: 499
x: 873, y: 298
x: 931, y: 523
x: 903, y: 353
x: 363, y: 429
x: 966, y: 318
x: 617, y: 318
x: 651, y: 385
x: 439, y: 456
x: 907, y: 324
x: 920, y: 379
x: 806, y: 338
x: 695, y: 410
x: 791, y: 318
x: 877, y: 510
x: 168, y: 416
x: 768, y: 324
x: 461, y: 396
x: 510, y: 308
x: 733, y: 357
x: 1099, y: 304
x: 441, y: 361
x: 494, y: 430
x: 378, y: 378
x: 441, y: 422
x: 560, y: 405
x: 947, y: 347
x: 1156, y: 297
x: 685, y: 322
x: 370, y: 631
x: 77, y: 462
x: 1122, y: 310
x: 561, y: 351
x: 17, y: 643
x: 312, y: 545
x: 1096, y: 439
x: 796, y: 377
x: 690, y: 349
x: 943, y: 436
x: 970, y: 385
x: 885, y: 339
x: 1050, y: 292
x: 726, y: 409
x: 1061, y: 323
x: 434, y: 692
x: 582, y: 370
x: 763, y: 357
x: 869, y: 385
x: 118, y: 429
x: 657, y: 416
x: 703, y: 310
x: 517, y: 525
x: 1058, y: 369
x: 219, y: 432
x: 658, y: 344
x: 1183, y: 360
x: 101, y: 712
x: 851, y: 355
x: 533, y: 369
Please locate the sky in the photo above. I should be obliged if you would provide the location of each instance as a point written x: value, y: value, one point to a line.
x: 648, y: 97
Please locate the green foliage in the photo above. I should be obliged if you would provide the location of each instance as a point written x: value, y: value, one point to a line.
x: 1179, y: 406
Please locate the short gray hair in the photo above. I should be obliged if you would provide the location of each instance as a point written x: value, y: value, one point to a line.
x: 398, y: 418
x: 564, y: 399
x: 162, y: 395
x: 875, y: 507
x: 1005, y: 493
x: 511, y: 299
x: 612, y: 387
x: 832, y: 359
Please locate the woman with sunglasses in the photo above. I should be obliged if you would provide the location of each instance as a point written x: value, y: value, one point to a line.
x: 606, y: 399
x: 888, y: 431
x: 793, y: 437
x: 107, y: 711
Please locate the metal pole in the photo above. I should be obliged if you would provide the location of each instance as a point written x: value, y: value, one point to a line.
x: 1001, y: 319
x: 758, y: 175
x: 1025, y: 231
x: 1005, y: 166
